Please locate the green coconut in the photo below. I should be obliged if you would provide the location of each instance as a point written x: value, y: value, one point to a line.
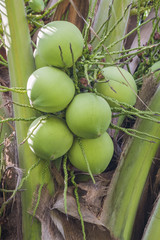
x: 98, y: 151
x: 57, y: 40
x: 88, y: 115
x: 119, y: 85
x: 50, y: 89
x: 156, y: 69
x: 36, y: 5
x: 49, y: 137
x: 38, y: 60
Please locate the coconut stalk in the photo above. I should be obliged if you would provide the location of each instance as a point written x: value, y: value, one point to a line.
x: 21, y: 65
x: 123, y: 197
x: 152, y: 229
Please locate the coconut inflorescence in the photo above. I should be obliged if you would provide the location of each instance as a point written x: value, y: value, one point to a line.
x: 72, y: 122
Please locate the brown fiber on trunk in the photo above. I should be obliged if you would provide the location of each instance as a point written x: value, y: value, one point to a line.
x: 10, y: 177
x: 66, y: 11
x: 59, y: 226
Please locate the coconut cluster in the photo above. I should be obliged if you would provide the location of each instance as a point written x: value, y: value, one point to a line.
x: 82, y: 132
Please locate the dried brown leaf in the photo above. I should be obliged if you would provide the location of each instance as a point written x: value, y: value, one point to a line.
x: 61, y: 10
x: 66, y: 10
x: 94, y: 193
x: 48, y: 229
x: 87, y: 214
x: 147, y: 91
x: 57, y: 226
x: 69, y: 227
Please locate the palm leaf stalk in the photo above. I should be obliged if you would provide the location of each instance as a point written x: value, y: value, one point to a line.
x: 120, y: 206
x: 110, y: 23
x: 21, y: 65
x: 152, y: 230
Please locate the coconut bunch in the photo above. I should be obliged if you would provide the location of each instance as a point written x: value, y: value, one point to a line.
x: 82, y: 132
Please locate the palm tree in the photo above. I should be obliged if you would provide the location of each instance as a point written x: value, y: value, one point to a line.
x: 58, y: 203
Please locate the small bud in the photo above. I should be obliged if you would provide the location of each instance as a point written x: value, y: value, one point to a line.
x: 89, y: 48
x: 84, y: 82
x: 31, y: 27
x: 140, y: 54
x: 100, y: 76
x: 157, y: 36
x: 103, y: 60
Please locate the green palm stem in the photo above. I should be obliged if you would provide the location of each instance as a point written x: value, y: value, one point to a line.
x: 121, y: 204
x: 114, y: 18
x: 21, y: 65
x: 152, y: 229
